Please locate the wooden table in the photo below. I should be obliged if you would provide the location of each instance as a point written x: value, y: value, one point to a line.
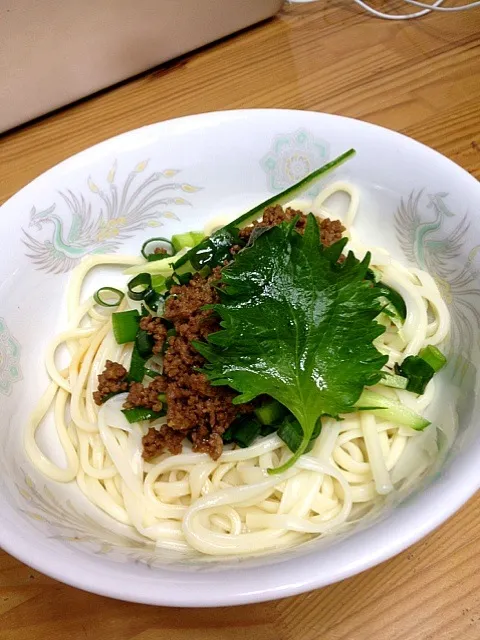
x: 420, y: 77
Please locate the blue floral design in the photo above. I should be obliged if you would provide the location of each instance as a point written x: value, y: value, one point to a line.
x: 292, y: 157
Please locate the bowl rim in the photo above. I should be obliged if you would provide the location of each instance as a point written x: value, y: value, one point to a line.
x: 411, y: 521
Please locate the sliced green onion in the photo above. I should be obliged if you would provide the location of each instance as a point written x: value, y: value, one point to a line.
x: 141, y: 413
x: 125, y: 325
x: 268, y: 429
x: 183, y: 240
x: 136, y: 372
x: 152, y: 302
x: 433, y: 356
x: 227, y: 436
x: 270, y: 412
x: 158, y: 283
x: 243, y: 431
x: 394, y: 381
x: 151, y: 257
x: 197, y: 236
x: 99, y: 299
x: 418, y: 372
x: 139, y: 286
x: 177, y: 279
x: 144, y: 343
x: 162, y: 397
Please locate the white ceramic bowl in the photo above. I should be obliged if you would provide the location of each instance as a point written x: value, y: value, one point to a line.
x: 416, y: 203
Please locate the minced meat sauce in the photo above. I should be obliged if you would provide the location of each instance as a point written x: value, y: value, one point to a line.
x: 195, y: 409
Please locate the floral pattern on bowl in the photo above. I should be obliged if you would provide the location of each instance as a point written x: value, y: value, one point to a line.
x: 291, y: 157
x: 427, y: 243
x: 103, y: 217
x: 10, y: 350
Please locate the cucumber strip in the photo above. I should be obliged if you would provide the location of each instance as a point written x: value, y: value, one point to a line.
x: 281, y: 198
x: 390, y: 410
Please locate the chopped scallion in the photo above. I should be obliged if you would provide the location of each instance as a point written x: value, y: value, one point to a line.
x: 141, y: 413
x: 139, y: 286
x: 419, y: 373
x: 243, y: 431
x: 144, y: 343
x: 125, y: 325
x: 183, y: 240
x: 136, y: 372
x: 267, y: 429
x: 178, y: 279
x: 115, y: 298
x: 433, y: 356
x: 270, y: 412
x: 158, y: 283
x: 152, y: 256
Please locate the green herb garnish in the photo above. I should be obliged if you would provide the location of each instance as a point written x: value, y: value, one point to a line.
x: 297, y: 326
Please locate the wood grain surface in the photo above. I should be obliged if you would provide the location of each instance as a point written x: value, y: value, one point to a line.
x: 421, y: 78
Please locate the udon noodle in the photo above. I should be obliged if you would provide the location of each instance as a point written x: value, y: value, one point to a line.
x: 230, y: 506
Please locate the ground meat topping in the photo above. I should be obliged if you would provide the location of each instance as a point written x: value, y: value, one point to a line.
x: 330, y: 230
x: 111, y: 380
x: 154, y: 442
x: 156, y: 328
x: 184, y: 307
x: 140, y: 396
x: 194, y: 406
x: 160, y: 251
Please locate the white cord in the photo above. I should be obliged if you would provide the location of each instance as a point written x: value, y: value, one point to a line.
x: 462, y: 7
x: 426, y: 9
x: 401, y: 16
